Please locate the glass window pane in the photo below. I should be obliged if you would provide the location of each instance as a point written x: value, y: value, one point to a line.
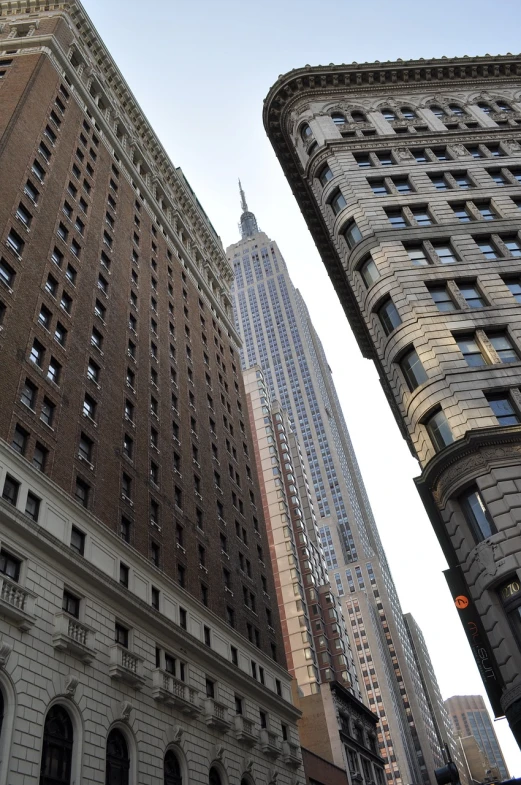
x: 413, y: 370
x: 477, y: 515
x: 439, y: 430
x: 471, y: 351
x: 503, y: 409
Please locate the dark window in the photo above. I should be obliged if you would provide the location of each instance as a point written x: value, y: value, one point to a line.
x: 121, y: 635
x: 124, y: 573
x: 11, y: 489
x: 477, y: 515
x: 472, y: 295
x: 57, y: 748
x: 396, y: 219
x: 325, y: 175
x: 369, y: 272
x: 20, y: 439
x: 182, y: 618
x: 389, y: 316
x: 504, y: 348
x: 470, y: 350
x: 207, y: 636
x: 118, y: 759
x: 82, y: 492
x: 7, y: 274
x: 172, y: 769
x: 77, y: 541
x: 413, y: 369
x: 442, y: 298
x: 71, y: 604
x: 503, y: 409
x: 338, y: 118
x: 445, y: 253
x: 352, y: 234
x: 32, y: 506
x: 10, y: 566
x: 439, y: 430
x: 337, y: 201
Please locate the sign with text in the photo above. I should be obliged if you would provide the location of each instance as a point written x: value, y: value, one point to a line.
x: 481, y: 648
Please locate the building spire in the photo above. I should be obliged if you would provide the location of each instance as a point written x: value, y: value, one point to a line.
x: 248, y: 224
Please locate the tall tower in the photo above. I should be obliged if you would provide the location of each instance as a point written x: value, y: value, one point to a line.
x: 408, y: 174
x: 469, y: 717
x: 277, y: 335
x: 123, y: 658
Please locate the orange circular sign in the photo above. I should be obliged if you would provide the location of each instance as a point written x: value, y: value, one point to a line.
x: 461, y: 601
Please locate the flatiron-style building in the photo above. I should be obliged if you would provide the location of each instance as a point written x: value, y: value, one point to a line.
x: 408, y: 174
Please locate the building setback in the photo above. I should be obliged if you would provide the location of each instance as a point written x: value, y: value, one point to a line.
x: 469, y: 717
x: 122, y: 656
x: 408, y: 174
x: 278, y: 336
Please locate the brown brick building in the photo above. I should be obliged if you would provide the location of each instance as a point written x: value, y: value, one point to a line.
x: 125, y: 441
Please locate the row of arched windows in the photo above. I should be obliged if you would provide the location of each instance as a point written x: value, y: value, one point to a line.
x: 406, y: 113
x: 57, y: 752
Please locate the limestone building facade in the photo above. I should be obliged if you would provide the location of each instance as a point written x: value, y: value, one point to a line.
x: 469, y: 717
x: 408, y: 174
x: 126, y: 655
x: 278, y: 335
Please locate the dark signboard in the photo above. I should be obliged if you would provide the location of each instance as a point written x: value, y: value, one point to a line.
x: 481, y: 648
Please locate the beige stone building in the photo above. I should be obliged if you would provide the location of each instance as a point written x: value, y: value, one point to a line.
x: 408, y: 174
x: 474, y: 729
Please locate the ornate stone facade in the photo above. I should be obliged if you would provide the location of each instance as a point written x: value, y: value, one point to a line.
x: 408, y: 174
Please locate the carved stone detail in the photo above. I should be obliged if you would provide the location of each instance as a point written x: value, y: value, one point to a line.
x: 125, y: 710
x: 71, y: 682
x: 5, y: 651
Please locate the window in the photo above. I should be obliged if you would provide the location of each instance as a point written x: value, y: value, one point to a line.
x: 117, y: 768
x: 402, y: 185
x: 369, y: 272
x: 515, y: 288
x: 207, y: 636
x: 32, y: 506
x: 10, y: 566
x: 82, y: 492
x: 439, y: 430
x: 503, y: 409
x: 71, y: 604
x: 363, y: 160
x: 54, y: 371
x: 47, y: 413
x: 504, y: 348
x: 417, y: 255
x: 396, y: 219
x: 20, y: 439
x: 325, y: 175
x: 462, y: 213
x: 77, y: 541
x: 513, y: 246
x: 470, y: 350
x: 476, y: 514
x: 439, y: 182
x: 306, y: 132
x: 488, y: 250
x: 31, y: 192
x: 93, y: 371
x: 337, y: 201
x: 7, y: 274
x: 388, y: 114
x: 60, y: 334
x: 389, y: 316
x: 421, y: 216
x: 172, y: 769
x: 445, y: 253
x: 66, y: 302
x: 413, y: 369
x: 44, y: 317
x: 23, y: 215
x: 57, y: 747
x: 96, y: 339
x: 352, y: 234
x: 338, y: 118
x: 38, y: 171
x: 154, y: 599
x: 498, y: 177
x: 28, y: 396
x: 121, y: 635
x: 15, y: 242
x: 472, y: 295
x: 378, y: 186
x: 442, y: 298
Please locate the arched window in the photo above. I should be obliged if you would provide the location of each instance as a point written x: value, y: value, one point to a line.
x: 173, y: 774
x: 358, y: 117
x: 118, y: 760
x: 438, y: 111
x: 305, y: 132
x: 455, y: 109
x: 408, y: 113
x: 214, y: 777
x: 503, y: 106
x: 389, y: 114
x: 57, y: 748
x: 338, y: 118
x: 485, y: 107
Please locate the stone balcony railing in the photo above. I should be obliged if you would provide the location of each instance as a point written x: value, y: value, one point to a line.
x: 126, y: 666
x: 291, y: 754
x: 270, y: 743
x: 245, y: 730
x: 216, y: 715
x: 16, y: 603
x: 174, y: 692
x: 73, y: 636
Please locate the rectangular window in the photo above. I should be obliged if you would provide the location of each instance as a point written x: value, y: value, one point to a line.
x: 352, y: 234
x: 378, y: 187
x: 71, y: 604
x: 10, y: 565
x: 121, y: 635
x: 462, y: 214
x: 504, y: 349
x: 77, y: 541
x: 503, y: 409
x: 11, y: 489
x: 445, y: 253
x: 369, y: 272
x: 31, y: 192
x: 515, y: 289
x: 417, y: 256
x: 7, y: 274
x: 476, y: 514
x: 389, y: 316
x: 15, y: 242
x: 462, y: 181
x: 513, y: 246
x: 82, y: 492
x: 20, y: 439
x: 439, y: 182
x: 124, y: 573
x: 470, y: 350
x: 28, y: 396
x: 442, y: 298
x: 396, y: 219
x: 32, y: 506
x: 472, y: 295
x: 421, y: 216
x: 488, y: 250
x: 402, y: 185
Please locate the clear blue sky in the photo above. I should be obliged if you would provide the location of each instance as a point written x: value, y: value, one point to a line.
x: 200, y: 71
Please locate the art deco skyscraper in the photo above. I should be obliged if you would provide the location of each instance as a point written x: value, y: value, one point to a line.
x: 277, y: 334
x: 123, y: 656
x: 408, y: 174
